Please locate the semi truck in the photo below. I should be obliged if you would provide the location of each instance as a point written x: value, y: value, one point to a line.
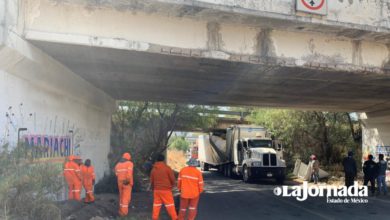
x: 246, y: 151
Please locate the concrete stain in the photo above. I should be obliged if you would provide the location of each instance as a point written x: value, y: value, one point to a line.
x: 320, y: 58
x: 357, y: 58
x: 386, y: 64
x: 352, y: 33
x: 311, y: 46
x: 264, y: 44
x: 214, y: 37
x: 186, y: 10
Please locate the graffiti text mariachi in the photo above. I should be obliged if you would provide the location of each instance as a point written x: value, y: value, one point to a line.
x: 49, y: 146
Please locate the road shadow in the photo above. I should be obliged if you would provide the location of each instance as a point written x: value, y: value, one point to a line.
x: 215, y: 175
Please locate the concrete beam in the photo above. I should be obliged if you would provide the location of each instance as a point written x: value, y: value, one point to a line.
x: 153, y: 32
x: 143, y: 54
x: 137, y: 75
x: 360, y: 20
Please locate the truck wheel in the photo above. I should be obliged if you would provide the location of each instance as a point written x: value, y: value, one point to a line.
x: 233, y: 174
x: 225, y: 170
x: 229, y: 170
x: 220, y: 169
x: 280, y: 180
x: 246, y: 176
x: 204, y: 167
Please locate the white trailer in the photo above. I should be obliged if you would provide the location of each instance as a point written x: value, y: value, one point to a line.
x: 243, y: 150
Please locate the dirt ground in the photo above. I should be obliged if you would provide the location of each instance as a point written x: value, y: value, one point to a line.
x: 176, y: 159
x: 106, y: 206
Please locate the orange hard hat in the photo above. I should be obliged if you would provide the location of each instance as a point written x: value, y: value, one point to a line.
x: 126, y: 156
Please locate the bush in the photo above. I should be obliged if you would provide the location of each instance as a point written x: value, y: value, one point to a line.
x: 179, y: 143
x: 28, y: 188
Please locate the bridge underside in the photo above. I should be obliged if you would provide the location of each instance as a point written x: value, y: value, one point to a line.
x: 135, y: 75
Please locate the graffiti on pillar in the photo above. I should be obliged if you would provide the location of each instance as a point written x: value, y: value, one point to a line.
x: 78, y: 136
x: 43, y: 146
x: 47, y: 136
x: 375, y: 151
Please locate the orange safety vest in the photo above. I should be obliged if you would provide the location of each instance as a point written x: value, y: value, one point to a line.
x: 162, y: 177
x: 72, y: 171
x: 87, y: 173
x: 190, y: 182
x: 124, y: 171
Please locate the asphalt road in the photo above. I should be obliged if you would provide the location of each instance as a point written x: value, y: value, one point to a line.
x: 229, y: 199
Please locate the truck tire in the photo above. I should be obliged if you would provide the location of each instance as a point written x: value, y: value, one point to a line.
x: 204, y: 167
x: 233, y: 174
x: 225, y: 170
x: 246, y: 174
x: 220, y: 169
x: 229, y: 170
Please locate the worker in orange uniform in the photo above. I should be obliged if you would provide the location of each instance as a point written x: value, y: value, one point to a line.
x: 162, y: 181
x: 190, y: 184
x: 88, y: 178
x: 124, y: 174
x: 73, y: 178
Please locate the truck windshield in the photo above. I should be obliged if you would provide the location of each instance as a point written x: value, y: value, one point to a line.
x: 260, y: 143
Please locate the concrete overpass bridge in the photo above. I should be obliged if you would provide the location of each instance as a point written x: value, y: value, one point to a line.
x: 64, y: 63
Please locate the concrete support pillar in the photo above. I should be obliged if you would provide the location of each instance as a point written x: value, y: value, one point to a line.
x: 376, y: 135
x: 61, y: 112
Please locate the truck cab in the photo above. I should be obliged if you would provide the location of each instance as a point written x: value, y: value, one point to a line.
x: 258, y: 157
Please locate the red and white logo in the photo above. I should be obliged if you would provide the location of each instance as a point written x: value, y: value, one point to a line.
x: 312, y: 6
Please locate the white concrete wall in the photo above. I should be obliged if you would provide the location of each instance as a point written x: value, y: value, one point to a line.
x: 374, y: 13
x: 376, y: 135
x: 71, y: 19
x: 106, y: 27
x: 371, y: 12
x: 2, y: 20
x: 42, y: 95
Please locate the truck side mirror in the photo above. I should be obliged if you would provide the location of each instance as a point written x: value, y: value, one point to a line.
x: 249, y: 153
x: 279, y: 147
x: 245, y: 144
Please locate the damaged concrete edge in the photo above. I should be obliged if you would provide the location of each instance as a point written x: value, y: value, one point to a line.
x: 278, y: 16
x: 265, y: 52
x: 19, y: 50
x: 366, y: 32
x: 93, y: 41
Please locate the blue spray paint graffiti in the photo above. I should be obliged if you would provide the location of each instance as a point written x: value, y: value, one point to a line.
x: 49, y: 146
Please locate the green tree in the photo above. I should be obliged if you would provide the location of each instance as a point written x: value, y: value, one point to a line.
x: 144, y: 128
x: 329, y: 135
x: 179, y: 143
